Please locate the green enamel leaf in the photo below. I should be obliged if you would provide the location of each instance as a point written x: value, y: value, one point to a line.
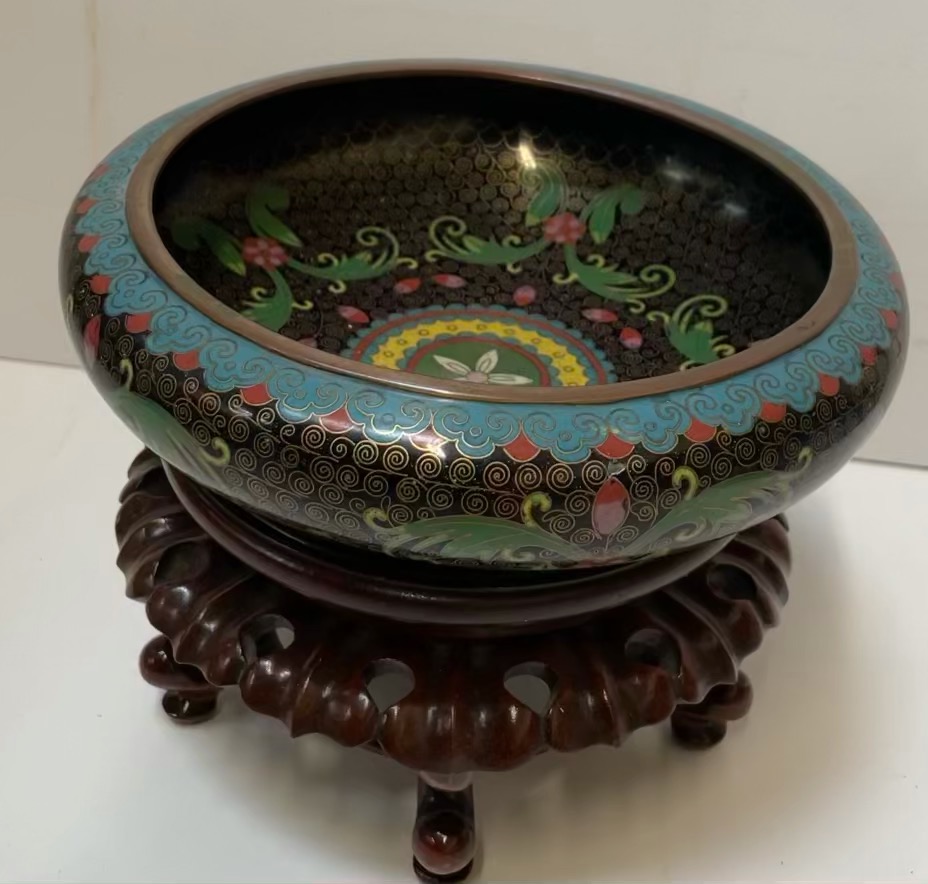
x: 719, y: 510
x: 632, y: 201
x: 483, y: 538
x: 550, y: 195
x: 165, y: 436
x: 600, y: 214
x: 603, y: 279
x: 361, y: 265
x: 272, y: 310
x: 347, y: 268
x: 489, y: 251
x: 696, y: 343
x: 260, y: 204
x: 193, y: 233
x: 691, y: 332
x: 450, y: 239
x: 381, y: 253
x: 607, y: 281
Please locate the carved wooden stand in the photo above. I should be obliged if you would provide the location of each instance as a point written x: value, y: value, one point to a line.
x: 445, y: 686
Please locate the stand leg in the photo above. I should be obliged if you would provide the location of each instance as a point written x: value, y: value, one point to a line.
x: 704, y: 724
x: 189, y: 698
x: 444, y: 839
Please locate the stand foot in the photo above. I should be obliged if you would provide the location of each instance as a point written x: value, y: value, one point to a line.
x: 444, y: 838
x: 189, y: 698
x: 704, y: 724
x: 185, y: 709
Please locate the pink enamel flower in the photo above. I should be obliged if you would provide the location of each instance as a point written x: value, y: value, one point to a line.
x: 264, y: 252
x: 565, y: 228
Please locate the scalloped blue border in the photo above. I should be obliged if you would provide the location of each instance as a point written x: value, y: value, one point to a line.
x: 386, y: 414
x: 504, y: 313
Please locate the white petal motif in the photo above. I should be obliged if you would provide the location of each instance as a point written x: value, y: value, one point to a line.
x: 487, y: 362
x: 458, y: 369
x: 510, y: 380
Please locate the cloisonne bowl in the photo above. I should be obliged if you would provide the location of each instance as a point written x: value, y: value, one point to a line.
x: 483, y: 315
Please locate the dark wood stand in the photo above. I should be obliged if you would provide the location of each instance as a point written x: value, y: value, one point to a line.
x: 414, y: 662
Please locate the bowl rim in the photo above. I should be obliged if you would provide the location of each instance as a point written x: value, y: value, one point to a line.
x: 837, y: 292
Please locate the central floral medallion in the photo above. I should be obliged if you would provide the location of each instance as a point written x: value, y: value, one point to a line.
x: 482, y: 345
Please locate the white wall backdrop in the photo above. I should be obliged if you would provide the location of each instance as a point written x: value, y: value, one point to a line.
x: 842, y: 80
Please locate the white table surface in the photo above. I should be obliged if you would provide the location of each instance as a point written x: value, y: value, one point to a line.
x: 826, y: 780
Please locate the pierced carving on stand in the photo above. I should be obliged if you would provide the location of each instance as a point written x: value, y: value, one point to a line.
x: 704, y: 724
x: 439, y: 702
x: 150, y: 523
x: 619, y: 671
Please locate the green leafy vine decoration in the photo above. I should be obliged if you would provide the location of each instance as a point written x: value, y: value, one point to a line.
x: 273, y: 309
x: 273, y: 306
x: 380, y: 255
x: 261, y: 202
x: 607, y: 281
x: 689, y: 329
x: 482, y: 538
x: 163, y: 433
x: 550, y: 186
x: 719, y: 509
x: 450, y: 238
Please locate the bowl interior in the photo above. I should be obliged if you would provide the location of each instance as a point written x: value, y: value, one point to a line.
x: 490, y: 231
